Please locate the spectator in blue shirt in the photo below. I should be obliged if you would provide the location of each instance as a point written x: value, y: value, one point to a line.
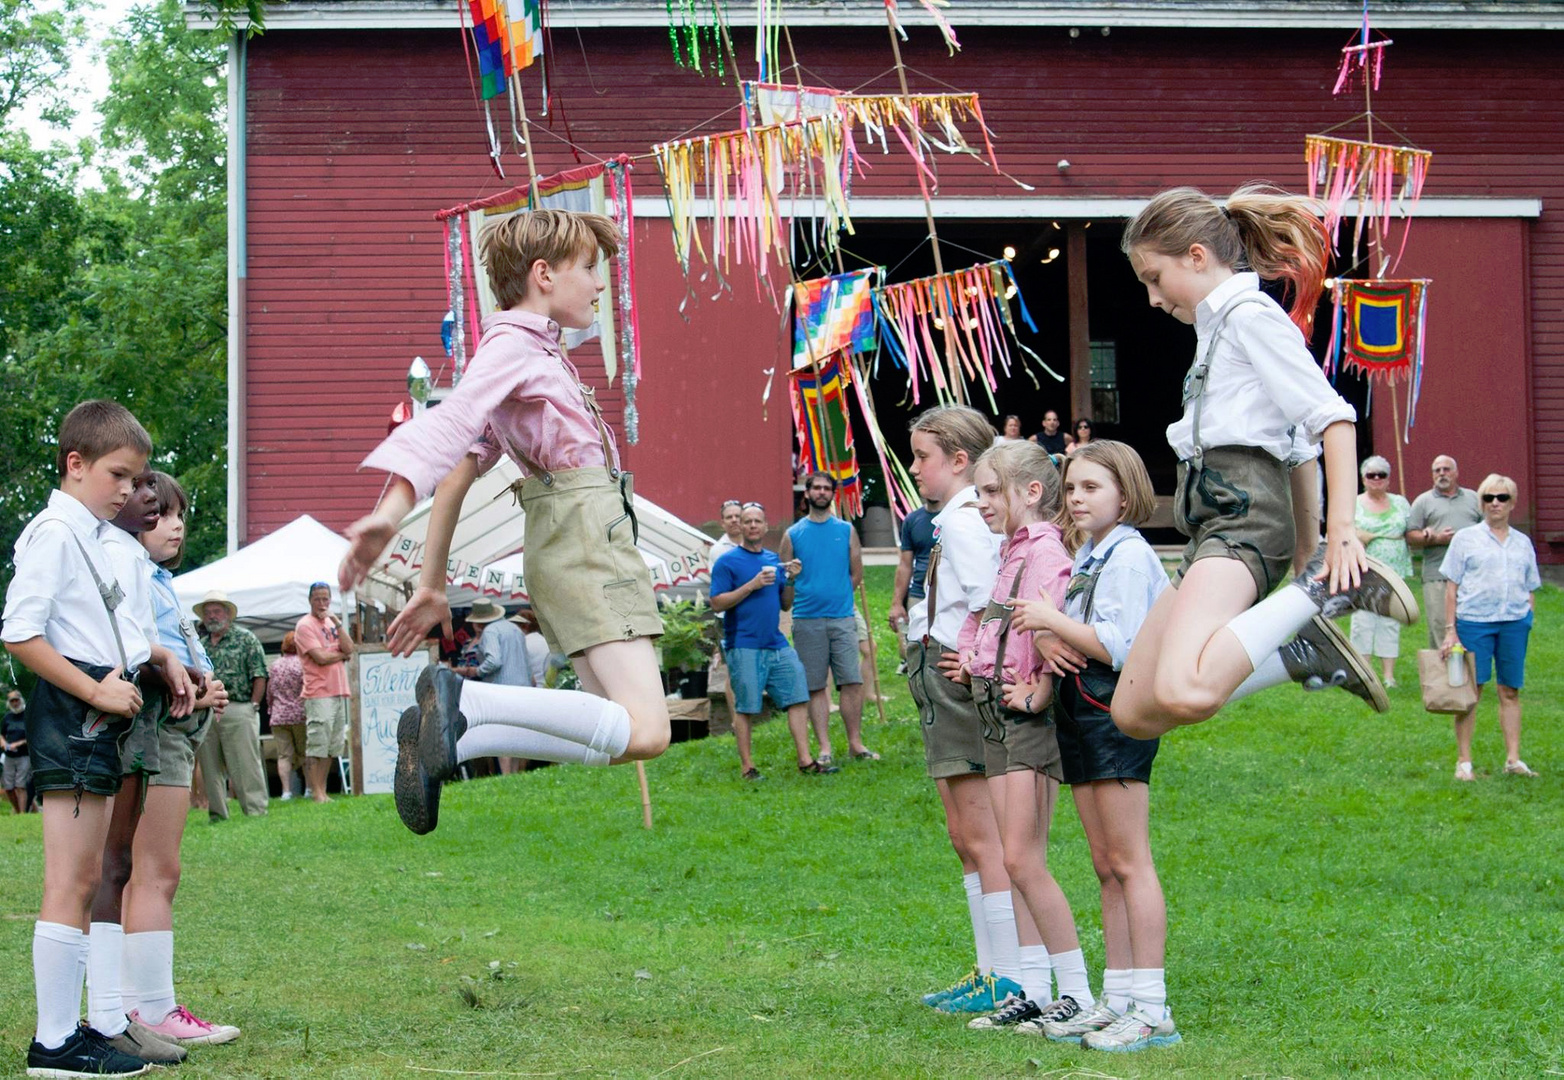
x: 753, y: 586
x: 1491, y: 579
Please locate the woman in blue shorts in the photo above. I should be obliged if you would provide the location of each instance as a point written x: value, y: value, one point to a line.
x: 1490, y: 597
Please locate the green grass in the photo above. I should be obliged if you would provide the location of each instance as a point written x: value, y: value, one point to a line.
x: 1336, y: 905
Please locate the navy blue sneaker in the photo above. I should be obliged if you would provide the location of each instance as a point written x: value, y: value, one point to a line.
x: 85, y: 1053
x: 439, y: 693
x: 417, y: 796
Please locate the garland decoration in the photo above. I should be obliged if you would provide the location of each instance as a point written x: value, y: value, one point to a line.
x: 1379, y: 176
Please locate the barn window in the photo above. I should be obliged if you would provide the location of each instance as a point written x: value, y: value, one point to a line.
x: 1105, y: 382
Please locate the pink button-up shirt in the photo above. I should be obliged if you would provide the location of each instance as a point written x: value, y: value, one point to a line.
x: 519, y: 392
x: 1041, y: 548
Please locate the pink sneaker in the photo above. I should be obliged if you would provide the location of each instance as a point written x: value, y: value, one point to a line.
x: 187, y: 1030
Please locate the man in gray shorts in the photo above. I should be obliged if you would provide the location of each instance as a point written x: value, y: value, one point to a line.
x: 824, y: 633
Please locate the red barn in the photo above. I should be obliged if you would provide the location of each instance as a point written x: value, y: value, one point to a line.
x: 352, y: 121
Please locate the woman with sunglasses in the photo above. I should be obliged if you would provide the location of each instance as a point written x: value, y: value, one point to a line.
x: 1083, y: 435
x: 1490, y: 595
x: 1381, y: 520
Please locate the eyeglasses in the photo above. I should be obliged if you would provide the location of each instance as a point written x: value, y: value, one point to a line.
x: 1376, y: 476
x: 1497, y: 496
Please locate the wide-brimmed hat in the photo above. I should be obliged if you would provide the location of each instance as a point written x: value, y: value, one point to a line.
x: 484, y: 611
x: 215, y: 596
x: 524, y: 616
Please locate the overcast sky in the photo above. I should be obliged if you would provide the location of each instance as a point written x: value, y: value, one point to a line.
x: 87, y: 82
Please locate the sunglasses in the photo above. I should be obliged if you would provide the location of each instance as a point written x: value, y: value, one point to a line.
x: 1497, y: 496
x: 752, y: 506
x: 1376, y: 476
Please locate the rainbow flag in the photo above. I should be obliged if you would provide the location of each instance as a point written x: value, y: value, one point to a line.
x: 833, y: 314
x: 508, y: 35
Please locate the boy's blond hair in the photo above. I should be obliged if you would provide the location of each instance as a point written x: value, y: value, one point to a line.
x: 956, y: 427
x: 95, y: 428
x: 511, y: 246
x: 1017, y: 463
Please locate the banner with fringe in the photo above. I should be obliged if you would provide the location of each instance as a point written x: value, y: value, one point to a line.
x: 833, y: 314
x: 825, y: 429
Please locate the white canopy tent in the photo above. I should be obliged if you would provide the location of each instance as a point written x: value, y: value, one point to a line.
x: 269, y: 580
x: 486, y: 560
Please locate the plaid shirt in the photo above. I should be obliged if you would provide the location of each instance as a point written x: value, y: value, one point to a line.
x: 236, y: 660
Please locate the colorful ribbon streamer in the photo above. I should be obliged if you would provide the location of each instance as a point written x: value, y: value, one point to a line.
x: 1379, y: 176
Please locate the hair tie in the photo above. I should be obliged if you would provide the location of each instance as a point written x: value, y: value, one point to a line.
x: 1225, y: 213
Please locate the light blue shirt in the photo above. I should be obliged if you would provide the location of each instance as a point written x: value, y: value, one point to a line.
x: 1494, y: 578
x: 173, y: 629
x: 1127, y: 587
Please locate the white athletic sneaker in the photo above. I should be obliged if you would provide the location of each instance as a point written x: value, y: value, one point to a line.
x: 1133, y: 1031
x: 1069, y: 1027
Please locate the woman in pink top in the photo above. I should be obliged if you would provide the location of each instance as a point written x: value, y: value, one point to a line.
x: 285, y: 709
x: 1018, y: 494
x: 590, y: 589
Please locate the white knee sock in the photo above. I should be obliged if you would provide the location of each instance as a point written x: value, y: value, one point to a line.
x: 1269, y: 672
x: 593, y: 722
x: 105, y: 1010
x: 58, y: 955
x: 1116, y: 988
x: 1004, y: 947
x: 974, y: 886
x: 1036, y: 974
x: 1149, y: 988
x: 1070, y: 973
x: 501, y: 740
x: 1268, y: 625
x: 149, y: 974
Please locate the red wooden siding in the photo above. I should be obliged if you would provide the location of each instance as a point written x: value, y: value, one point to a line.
x: 355, y: 138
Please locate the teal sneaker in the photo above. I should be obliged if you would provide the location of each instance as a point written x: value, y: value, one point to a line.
x: 988, y: 996
x: 954, y: 990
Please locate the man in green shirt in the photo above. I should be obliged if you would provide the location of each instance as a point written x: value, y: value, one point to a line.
x: 232, y: 748
x: 1437, y: 515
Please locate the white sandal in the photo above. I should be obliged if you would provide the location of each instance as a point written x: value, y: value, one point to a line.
x: 1463, y: 770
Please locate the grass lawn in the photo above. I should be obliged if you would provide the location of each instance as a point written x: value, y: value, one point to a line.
x: 1336, y: 905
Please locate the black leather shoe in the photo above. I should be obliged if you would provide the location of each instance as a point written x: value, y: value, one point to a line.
x: 417, y: 796
x: 439, y: 699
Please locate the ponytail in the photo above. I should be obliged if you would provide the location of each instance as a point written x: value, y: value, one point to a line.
x: 1277, y: 234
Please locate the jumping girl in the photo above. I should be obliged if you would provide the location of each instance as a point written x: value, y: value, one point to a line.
x: 1253, y: 394
x: 590, y: 589
x: 1116, y: 580
x: 1018, y: 494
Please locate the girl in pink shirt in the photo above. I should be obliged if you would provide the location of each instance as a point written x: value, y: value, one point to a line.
x: 590, y: 589
x: 1018, y: 494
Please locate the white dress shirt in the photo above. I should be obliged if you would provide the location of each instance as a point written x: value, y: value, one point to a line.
x: 968, y: 565
x: 53, y: 594
x: 1126, y: 588
x: 1262, y: 382
x: 133, y: 567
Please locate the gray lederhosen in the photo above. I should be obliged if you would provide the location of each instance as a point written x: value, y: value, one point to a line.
x: 952, y: 732
x: 179, y: 739
x: 1012, y: 741
x: 1233, y: 502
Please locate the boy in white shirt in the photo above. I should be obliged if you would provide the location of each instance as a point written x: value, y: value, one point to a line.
x: 64, y: 620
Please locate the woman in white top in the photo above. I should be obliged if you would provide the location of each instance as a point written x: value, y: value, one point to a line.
x: 1253, y: 389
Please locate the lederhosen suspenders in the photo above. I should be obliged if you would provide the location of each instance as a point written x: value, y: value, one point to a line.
x: 625, y: 480
x: 1089, y: 587
x: 1003, y: 613
x: 1196, y: 381
x: 113, y: 596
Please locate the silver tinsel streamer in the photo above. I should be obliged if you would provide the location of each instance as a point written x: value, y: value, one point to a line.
x: 627, y: 349
x: 453, y: 246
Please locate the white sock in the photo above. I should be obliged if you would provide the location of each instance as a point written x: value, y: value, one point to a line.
x: 974, y: 886
x: 105, y: 1010
x: 1116, y: 988
x: 1272, y: 622
x: 594, y: 722
x: 1149, y: 988
x: 1070, y: 973
x: 58, y: 953
x: 500, y: 740
x: 999, y: 916
x: 1036, y: 973
x: 1268, y: 672
x: 149, y: 974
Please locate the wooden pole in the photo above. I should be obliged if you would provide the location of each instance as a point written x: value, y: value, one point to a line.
x: 1395, y: 418
x: 526, y: 140
x: 874, y: 653
x: 646, y: 795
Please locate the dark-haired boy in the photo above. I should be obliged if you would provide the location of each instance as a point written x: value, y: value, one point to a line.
x: 64, y: 620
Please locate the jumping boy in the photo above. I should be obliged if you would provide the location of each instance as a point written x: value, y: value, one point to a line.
x: 63, y: 619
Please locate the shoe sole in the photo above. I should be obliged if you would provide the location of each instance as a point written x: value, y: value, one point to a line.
x: 216, y: 1038
x: 410, y: 782
x: 41, y: 1071
x: 1378, y: 700
x: 1409, y: 611
x: 436, y: 746
x: 1138, y: 1044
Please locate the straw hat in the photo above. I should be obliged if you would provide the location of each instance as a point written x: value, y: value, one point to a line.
x: 524, y: 615
x: 484, y: 611
x: 216, y: 596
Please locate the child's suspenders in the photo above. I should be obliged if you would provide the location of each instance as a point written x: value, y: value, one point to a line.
x: 112, y: 596
x: 1195, y: 381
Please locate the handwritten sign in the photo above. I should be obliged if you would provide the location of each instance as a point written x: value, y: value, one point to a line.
x: 385, y: 688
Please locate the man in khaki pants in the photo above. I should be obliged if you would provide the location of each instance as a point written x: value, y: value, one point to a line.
x: 1437, y: 515
x: 232, y: 747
